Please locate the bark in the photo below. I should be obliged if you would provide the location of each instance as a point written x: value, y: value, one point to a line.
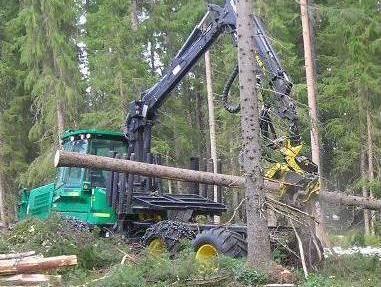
x: 30, y: 265
x: 350, y: 200
x: 370, y: 169
x: 2, y: 190
x: 364, y: 189
x: 212, y: 124
x: 60, y: 118
x: 258, y: 239
x: 134, y: 15
x: 235, y: 195
x: 17, y: 255
x: 72, y: 159
x: 311, y: 81
x: 312, y: 92
x: 28, y: 279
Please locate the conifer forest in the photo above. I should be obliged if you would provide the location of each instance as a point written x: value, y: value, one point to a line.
x: 190, y: 143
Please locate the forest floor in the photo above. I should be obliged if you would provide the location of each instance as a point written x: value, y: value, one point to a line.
x: 100, y: 261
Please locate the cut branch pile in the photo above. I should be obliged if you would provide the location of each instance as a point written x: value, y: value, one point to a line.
x: 23, y: 269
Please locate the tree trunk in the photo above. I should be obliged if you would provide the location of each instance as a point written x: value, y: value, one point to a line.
x: 17, y: 255
x: 364, y: 189
x: 350, y: 200
x: 310, y: 67
x: 235, y: 195
x: 134, y: 15
x: 31, y: 264
x: 60, y: 118
x: 311, y: 81
x: 258, y: 239
x: 2, y: 189
x: 2, y: 192
x: 73, y: 159
x: 370, y: 169
x: 212, y: 125
x: 31, y: 280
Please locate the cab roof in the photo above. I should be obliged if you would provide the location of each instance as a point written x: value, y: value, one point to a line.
x: 107, y: 134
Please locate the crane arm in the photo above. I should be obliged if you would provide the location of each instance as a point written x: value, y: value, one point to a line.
x: 220, y: 20
x: 142, y: 112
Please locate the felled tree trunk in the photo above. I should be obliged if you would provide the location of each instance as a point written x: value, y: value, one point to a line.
x: 72, y: 159
x: 31, y: 280
x: 32, y: 264
x: 17, y: 255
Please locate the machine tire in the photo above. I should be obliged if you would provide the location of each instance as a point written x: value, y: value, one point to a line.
x: 171, y: 233
x: 225, y: 241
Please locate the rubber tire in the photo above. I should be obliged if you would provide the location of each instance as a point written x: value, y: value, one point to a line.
x: 227, y: 242
x: 172, y: 233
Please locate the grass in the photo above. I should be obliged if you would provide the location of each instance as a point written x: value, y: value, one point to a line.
x: 356, y: 238
x: 99, y: 262
x: 59, y: 237
x: 353, y: 270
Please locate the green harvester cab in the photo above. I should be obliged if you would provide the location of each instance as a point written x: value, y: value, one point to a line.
x: 79, y: 193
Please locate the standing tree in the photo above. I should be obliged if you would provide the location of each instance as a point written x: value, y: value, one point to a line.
x: 312, y: 104
x: 370, y: 168
x: 212, y: 123
x: 259, y: 253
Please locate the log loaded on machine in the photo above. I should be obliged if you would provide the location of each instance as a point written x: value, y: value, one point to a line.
x: 134, y: 201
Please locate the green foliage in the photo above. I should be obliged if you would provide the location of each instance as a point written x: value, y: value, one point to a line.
x: 241, y: 272
x: 57, y: 236
x: 39, y: 73
x: 356, y: 238
x: 354, y: 270
x: 316, y: 280
x: 182, y: 271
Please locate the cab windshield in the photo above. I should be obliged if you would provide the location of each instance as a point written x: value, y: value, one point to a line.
x: 103, y: 147
x: 72, y: 176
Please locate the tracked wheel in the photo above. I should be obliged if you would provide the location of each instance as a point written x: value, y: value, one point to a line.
x: 219, y: 241
x: 166, y: 236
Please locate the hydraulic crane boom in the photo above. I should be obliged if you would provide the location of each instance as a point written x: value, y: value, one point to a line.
x: 221, y: 20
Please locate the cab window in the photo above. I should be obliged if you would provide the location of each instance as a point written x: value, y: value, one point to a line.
x: 103, y: 147
x: 72, y: 176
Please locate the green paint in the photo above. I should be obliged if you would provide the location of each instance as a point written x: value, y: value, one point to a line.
x: 78, y: 193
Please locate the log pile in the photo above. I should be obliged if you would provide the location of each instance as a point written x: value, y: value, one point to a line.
x: 27, y: 269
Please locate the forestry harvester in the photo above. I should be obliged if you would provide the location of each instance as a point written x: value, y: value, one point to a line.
x: 137, y: 205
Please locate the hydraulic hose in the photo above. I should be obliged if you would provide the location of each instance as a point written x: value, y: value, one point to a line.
x: 231, y: 108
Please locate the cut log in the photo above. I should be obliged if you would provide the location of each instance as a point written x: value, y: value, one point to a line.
x: 28, y: 279
x: 71, y: 159
x: 30, y: 264
x: 17, y: 255
x: 351, y: 200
